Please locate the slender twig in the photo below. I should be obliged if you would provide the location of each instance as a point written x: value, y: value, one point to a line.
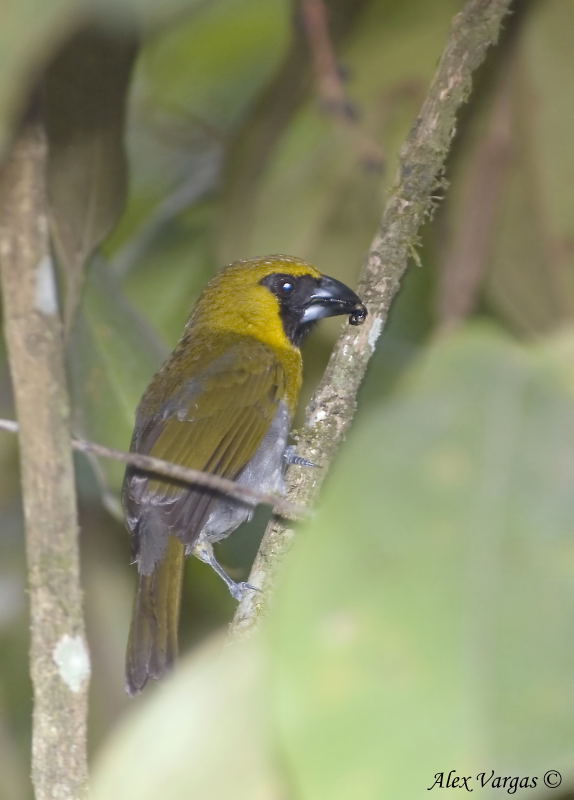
x: 176, y: 472
x: 59, y: 661
x: 330, y: 85
x: 422, y: 161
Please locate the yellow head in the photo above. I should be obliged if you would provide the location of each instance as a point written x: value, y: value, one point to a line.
x: 275, y: 299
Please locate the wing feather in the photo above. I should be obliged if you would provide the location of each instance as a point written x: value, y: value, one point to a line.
x: 215, y: 423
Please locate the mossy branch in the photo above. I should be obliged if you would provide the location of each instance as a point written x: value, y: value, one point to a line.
x: 422, y: 162
x: 59, y: 660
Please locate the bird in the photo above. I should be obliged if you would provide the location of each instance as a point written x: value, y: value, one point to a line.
x: 223, y: 402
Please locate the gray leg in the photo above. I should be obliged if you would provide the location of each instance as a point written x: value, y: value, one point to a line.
x: 204, y: 551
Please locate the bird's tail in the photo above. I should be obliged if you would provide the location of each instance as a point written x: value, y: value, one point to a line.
x: 152, y: 644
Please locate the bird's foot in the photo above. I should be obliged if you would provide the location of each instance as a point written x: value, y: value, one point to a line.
x: 203, y: 550
x: 239, y: 590
x: 291, y: 457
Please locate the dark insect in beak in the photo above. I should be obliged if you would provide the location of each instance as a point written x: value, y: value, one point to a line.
x: 358, y: 316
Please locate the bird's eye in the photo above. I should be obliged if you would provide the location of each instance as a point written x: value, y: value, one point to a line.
x: 286, y: 286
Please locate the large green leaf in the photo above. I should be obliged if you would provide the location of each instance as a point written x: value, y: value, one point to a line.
x: 32, y: 29
x: 113, y: 355
x: 424, y: 620
x: 173, y: 269
x: 84, y: 102
x: 251, y: 34
x: 201, y: 735
x: 119, y: 13
x: 191, y: 87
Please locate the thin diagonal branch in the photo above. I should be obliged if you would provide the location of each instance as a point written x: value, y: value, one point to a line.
x: 168, y: 469
x: 422, y: 162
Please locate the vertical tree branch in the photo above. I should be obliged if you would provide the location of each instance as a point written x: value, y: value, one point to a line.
x: 422, y: 162
x: 59, y: 656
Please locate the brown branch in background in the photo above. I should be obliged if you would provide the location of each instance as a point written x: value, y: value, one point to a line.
x: 59, y: 661
x: 466, y: 260
x: 253, y: 146
x: 168, y: 469
x: 330, y: 84
x: 422, y: 162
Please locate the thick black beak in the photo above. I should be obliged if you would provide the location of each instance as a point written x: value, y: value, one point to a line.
x: 331, y: 298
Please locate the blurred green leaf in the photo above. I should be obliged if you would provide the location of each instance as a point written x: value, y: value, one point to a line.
x: 32, y: 29
x: 200, y: 735
x: 423, y: 622
x: 120, y: 13
x: 84, y: 103
x: 114, y: 352
x: 251, y: 34
x: 171, y: 272
x: 29, y: 29
x: 181, y: 126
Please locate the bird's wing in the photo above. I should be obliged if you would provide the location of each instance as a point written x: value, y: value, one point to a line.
x: 215, y: 422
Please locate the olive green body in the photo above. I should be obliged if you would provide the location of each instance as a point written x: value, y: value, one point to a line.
x: 222, y: 403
